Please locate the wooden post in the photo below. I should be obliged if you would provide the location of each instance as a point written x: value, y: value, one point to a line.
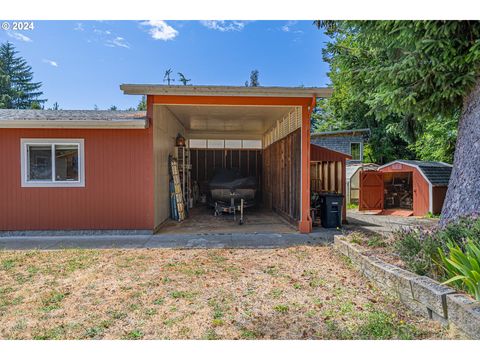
x: 305, y: 224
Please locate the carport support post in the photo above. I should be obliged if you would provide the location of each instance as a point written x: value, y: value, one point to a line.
x: 305, y: 224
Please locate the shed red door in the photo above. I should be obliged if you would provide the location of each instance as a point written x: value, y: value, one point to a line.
x: 371, y: 190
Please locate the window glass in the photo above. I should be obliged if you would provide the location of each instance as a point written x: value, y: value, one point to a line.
x: 39, y: 162
x: 233, y: 144
x: 215, y: 144
x: 355, y: 151
x: 198, y: 144
x: 66, y: 162
x: 252, y: 144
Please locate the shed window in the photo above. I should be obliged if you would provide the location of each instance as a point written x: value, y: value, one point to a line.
x: 50, y: 163
x: 355, y: 151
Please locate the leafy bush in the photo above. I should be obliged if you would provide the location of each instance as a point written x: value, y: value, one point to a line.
x: 462, y: 266
x: 419, y: 248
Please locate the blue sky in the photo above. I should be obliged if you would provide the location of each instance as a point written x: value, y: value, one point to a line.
x: 82, y: 63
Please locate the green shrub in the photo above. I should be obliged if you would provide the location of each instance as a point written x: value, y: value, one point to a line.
x: 419, y: 248
x: 462, y: 266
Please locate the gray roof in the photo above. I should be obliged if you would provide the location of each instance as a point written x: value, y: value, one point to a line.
x: 71, y: 118
x: 438, y: 173
x: 364, y: 132
x: 79, y: 115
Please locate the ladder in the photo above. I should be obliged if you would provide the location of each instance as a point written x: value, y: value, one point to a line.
x: 177, y: 189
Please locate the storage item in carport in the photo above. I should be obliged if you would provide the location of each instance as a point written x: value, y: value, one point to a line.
x: 315, y: 208
x: 331, y: 210
x: 230, y: 192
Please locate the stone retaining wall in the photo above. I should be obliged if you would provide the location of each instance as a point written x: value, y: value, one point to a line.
x: 419, y: 293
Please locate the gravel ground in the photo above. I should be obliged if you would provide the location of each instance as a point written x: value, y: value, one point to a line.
x: 295, y: 293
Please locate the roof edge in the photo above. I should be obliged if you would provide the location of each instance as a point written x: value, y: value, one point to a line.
x: 73, y: 124
x: 217, y: 90
x: 346, y: 156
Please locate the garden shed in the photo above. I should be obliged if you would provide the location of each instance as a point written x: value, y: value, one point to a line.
x: 353, y: 180
x: 410, y: 187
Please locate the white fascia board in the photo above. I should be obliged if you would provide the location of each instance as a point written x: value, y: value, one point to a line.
x: 71, y: 124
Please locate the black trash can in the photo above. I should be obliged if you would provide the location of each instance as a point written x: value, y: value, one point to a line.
x: 331, y: 210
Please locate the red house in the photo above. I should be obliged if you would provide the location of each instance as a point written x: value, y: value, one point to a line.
x: 108, y: 170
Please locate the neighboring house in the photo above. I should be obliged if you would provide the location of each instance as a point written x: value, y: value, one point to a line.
x: 348, y: 142
x: 109, y: 170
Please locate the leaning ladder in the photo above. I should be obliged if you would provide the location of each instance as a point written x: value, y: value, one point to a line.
x: 177, y: 189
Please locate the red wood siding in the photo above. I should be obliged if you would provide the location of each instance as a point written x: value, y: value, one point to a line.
x: 371, y: 190
x: 438, y: 197
x: 118, y: 192
x: 421, y: 190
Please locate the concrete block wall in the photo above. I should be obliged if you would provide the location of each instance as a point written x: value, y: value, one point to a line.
x: 421, y: 294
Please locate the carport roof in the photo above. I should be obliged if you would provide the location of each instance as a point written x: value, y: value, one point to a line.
x: 210, y: 90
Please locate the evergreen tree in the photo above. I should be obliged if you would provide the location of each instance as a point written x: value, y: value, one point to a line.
x: 142, y: 105
x: 426, y: 74
x: 254, y: 78
x: 17, y: 90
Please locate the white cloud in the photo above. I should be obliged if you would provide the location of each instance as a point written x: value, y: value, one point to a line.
x: 19, y: 36
x: 222, y: 25
x: 50, y: 62
x: 160, y: 30
x: 289, y: 27
x: 117, y: 42
x: 79, y: 27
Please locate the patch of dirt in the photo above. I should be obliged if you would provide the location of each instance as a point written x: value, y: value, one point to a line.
x: 295, y: 293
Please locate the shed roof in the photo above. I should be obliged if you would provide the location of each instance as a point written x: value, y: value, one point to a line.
x: 217, y: 90
x: 438, y: 173
x: 15, y: 118
x: 320, y: 153
x: 353, y: 168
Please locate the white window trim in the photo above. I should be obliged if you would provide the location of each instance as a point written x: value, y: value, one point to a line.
x: 361, y: 149
x: 51, y: 183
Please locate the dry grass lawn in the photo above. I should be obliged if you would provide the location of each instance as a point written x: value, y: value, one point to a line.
x: 294, y: 293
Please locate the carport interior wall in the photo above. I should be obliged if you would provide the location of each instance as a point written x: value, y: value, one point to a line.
x: 276, y: 165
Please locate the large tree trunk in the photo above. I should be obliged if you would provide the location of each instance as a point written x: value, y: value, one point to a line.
x: 463, y: 195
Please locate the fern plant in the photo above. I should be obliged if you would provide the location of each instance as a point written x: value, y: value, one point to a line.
x: 462, y: 267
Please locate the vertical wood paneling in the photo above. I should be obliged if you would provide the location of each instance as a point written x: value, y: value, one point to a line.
x: 118, y: 192
x: 281, y: 180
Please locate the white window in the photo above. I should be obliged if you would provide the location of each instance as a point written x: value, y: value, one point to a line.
x: 215, y: 144
x: 233, y: 144
x: 356, y: 151
x: 52, y: 163
x: 252, y: 144
x: 198, y: 143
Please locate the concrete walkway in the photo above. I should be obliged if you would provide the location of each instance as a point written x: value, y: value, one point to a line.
x: 180, y: 241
